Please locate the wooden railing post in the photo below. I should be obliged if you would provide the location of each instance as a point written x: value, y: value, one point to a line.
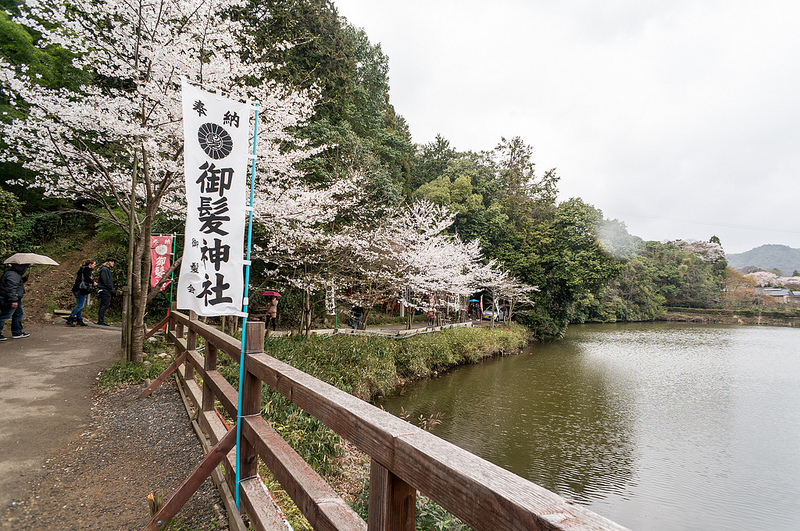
x: 392, y: 501
x: 191, y: 344
x: 210, y: 364
x: 172, y: 324
x: 251, y: 395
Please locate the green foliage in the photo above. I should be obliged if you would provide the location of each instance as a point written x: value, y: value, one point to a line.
x: 9, y: 212
x: 35, y: 229
x: 369, y: 366
x: 659, y: 275
x: 500, y: 200
x: 50, y: 67
x: 559, y: 252
x: 429, y: 163
x: 349, y: 73
x: 431, y: 517
x: 118, y: 374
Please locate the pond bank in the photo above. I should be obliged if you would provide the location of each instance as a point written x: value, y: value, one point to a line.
x: 733, y: 317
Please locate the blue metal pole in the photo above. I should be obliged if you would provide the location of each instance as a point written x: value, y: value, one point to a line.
x: 245, y: 305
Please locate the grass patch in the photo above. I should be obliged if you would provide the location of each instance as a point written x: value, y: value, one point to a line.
x: 153, y: 364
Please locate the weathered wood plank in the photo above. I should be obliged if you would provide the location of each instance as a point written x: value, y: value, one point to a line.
x: 201, y: 472
x: 318, y: 502
x: 192, y: 390
x: 224, y: 392
x: 191, y: 345
x: 250, y: 398
x: 392, y: 501
x: 179, y: 342
x: 157, y: 327
x: 227, y: 344
x: 234, y: 517
x: 258, y: 506
x: 405, y: 458
x: 197, y: 360
x: 163, y: 376
x: 372, y: 430
x: 209, y: 364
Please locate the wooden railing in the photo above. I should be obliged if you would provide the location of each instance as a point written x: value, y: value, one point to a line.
x: 404, y: 459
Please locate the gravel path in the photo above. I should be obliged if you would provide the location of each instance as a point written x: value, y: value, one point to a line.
x: 102, y: 478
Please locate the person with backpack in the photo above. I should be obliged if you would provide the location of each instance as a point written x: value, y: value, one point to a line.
x: 105, y: 289
x: 12, y: 290
x: 81, y: 288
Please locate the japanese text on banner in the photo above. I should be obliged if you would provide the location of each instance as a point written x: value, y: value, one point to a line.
x: 216, y: 132
x: 160, y: 259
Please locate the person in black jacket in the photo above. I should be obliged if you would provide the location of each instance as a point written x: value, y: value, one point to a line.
x: 81, y: 288
x: 105, y: 289
x: 12, y: 289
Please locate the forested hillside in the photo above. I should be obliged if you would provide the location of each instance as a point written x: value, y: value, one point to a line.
x: 768, y: 257
x: 339, y: 185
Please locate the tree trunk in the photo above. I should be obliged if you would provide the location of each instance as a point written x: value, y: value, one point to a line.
x: 305, y: 318
x: 140, y: 284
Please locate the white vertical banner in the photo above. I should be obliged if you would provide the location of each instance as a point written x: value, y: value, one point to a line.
x: 216, y: 136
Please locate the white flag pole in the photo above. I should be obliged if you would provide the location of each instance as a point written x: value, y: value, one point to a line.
x: 245, y: 304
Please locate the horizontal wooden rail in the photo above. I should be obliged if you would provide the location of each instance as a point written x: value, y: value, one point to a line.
x: 480, y: 493
x: 404, y: 458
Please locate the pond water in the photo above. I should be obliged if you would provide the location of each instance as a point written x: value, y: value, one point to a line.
x: 656, y: 426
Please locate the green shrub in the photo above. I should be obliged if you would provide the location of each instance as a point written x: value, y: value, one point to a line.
x: 133, y: 373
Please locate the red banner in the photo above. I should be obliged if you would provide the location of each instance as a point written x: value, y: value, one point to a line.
x: 160, y: 259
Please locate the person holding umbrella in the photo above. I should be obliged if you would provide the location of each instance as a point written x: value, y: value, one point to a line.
x: 12, y: 290
x: 271, y: 315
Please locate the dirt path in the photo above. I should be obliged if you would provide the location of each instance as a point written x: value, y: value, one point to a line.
x: 45, y: 395
x: 73, y: 456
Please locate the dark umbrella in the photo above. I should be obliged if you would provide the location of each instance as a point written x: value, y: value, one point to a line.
x: 270, y: 294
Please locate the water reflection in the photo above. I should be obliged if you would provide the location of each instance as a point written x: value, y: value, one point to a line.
x: 656, y: 426
x: 558, y: 421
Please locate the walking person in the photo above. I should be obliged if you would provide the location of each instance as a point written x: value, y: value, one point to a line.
x: 12, y: 290
x: 105, y: 289
x: 81, y: 288
x: 272, y: 312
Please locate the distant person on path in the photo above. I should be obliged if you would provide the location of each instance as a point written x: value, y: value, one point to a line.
x: 105, y: 289
x: 83, y: 285
x: 355, y: 317
x: 272, y: 312
x: 12, y: 289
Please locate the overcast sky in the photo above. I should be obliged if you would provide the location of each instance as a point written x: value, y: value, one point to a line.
x: 680, y: 118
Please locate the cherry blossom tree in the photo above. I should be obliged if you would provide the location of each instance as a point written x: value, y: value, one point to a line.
x: 412, y: 254
x: 763, y: 278
x: 119, y: 141
x: 710, y: 251
x: 789, y: 282
x: 503, y: 286
x: 301, y: 237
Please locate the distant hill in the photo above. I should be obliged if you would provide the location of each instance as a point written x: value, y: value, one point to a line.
x: 768, y: 257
